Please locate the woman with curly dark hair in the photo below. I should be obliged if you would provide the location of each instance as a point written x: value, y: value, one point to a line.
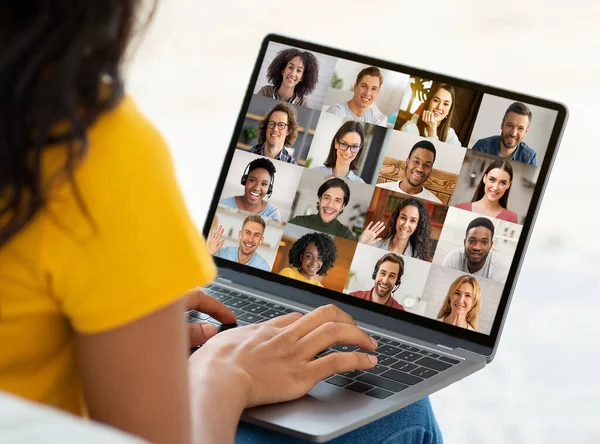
x: 311, y: 255
x: 407, y: 231
x: 293, y: 75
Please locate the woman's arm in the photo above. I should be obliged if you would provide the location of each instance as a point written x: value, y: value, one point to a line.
x: 135, y: 377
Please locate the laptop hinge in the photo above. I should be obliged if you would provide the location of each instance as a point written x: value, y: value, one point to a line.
x: 445, y: 346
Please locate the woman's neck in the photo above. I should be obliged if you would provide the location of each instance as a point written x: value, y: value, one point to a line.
x: 398, y: 245
x: 285, y: 93
x: 242, y: 204
x: 458, y: 320
x: 486, y: 206
x: 340, y: 171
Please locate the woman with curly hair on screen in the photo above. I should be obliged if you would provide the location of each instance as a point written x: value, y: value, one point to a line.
x: 313, y: 254
x: 407, y: 231
x: 292, y: 76
x: 462, y: 304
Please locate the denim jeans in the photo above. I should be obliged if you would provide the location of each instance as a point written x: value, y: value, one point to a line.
x: 410, y: 425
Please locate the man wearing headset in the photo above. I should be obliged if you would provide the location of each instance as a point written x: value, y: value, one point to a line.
x: 258, y: 179
x: 387, y: 276
x: 251, y: 236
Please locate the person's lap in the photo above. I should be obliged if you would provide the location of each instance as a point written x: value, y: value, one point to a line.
x: 415, y: 423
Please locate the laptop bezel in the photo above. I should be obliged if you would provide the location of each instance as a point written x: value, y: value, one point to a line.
x: 419, y: 326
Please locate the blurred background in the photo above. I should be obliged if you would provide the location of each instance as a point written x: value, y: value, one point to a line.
x: 190, y: 73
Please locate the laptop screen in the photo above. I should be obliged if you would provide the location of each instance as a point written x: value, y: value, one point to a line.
x: 399, y: 189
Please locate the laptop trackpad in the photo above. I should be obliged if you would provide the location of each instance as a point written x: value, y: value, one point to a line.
x: 325, y: 410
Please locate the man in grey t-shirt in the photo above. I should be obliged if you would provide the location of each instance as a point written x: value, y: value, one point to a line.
x: 366, y: 88
x: 476, y: 257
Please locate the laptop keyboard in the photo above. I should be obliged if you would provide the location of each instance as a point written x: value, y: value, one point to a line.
x: 399, y: 365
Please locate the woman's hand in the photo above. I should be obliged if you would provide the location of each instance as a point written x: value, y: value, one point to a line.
x: 214, y: 241
x: 202, y: 332
x: 429, y: 120
x: 370, y: 235
x: 274, y: 361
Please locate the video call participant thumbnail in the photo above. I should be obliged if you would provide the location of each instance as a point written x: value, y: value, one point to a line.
x: 333, y: 196
x: 436, y: 119
x: 293, y: 75
x: 387, y: 276
x: 278, y: 129
x: 407, y: 231
x: 419, y: 165
x: 345, y: 151
x: 311, y: 255
x: 491, y: 195
x: 251, y: 236
x: 509, y: 144
x: 367, y: 86
x: 462, y: 304
x: 258, y: 180
x: 476, y: 257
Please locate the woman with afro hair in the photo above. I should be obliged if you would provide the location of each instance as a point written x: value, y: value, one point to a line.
x: 292, y: 76
x: 313, y: 254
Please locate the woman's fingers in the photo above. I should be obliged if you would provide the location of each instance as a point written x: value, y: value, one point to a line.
x: 332, y: 333
x: 285, y: 320
x: 314, y: 319
x: 200, y: 333
x: 198, y: 300
x: 339, y: 362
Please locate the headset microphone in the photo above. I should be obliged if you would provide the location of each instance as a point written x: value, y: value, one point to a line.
x: 401, y: 271
x: 245, y: 179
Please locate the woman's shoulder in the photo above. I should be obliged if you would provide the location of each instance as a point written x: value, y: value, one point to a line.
x: 465, y: 206
x: 410, y: 127
x: 508, y: 216
x: 452, y: 138
x: 266, y: 91
x: 287, y: 272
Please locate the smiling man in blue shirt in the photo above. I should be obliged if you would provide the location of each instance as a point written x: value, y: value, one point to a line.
x: 251, y: 236
x: 509, y: 144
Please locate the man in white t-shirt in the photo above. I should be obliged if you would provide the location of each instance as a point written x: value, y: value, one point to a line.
x: 366, y: 88
x: 476, y: 257
x: 419, y: 164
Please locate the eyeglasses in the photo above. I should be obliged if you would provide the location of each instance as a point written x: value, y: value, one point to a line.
x: 280, y: 125
x: 344, y: 147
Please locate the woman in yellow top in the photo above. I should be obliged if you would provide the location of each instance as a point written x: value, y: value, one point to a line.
x: 311, y: 255
x: 97, y: 251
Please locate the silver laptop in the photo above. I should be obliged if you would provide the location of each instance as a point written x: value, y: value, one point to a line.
x: 405, y: 197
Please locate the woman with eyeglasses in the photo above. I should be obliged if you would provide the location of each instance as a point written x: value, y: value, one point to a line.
x: 345, y: 151
x: 277, y: 130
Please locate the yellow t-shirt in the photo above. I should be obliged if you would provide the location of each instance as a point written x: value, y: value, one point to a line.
x: 64, y: 274
x: 295, y: 274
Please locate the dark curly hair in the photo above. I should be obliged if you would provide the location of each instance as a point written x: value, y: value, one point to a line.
x: 420, y: 240
x: 292, y: 126
x: 309, y: 76
x: 60, y: 63
x: 324, y: 244
x: 262, y: 162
